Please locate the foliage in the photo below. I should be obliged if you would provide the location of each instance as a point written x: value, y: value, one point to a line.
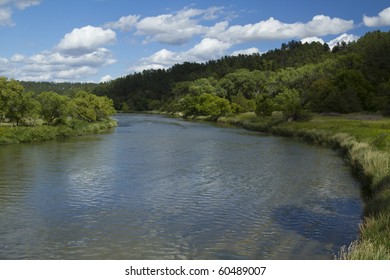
x: 68, y: 89
x: 54, y: 107
x: 15, y: 104
x: 20, y: 107
x: 204, y: 105
x: 90, y: 108
x: 264, y: 105
x: 351, y: 78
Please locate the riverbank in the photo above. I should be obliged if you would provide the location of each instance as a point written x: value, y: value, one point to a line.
x: 40, y: 133
x: 366, y: 143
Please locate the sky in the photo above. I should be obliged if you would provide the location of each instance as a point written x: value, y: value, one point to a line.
x: 100, y: 40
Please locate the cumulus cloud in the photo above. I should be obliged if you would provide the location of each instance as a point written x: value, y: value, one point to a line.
x: 18, y: 58
x: 79, y: 55
x: 383, y: 19
x: 6, y: 9
x: 124, y: 23
x: 106, y: 78
x: 20, y: 4
x: 5, y: 16
x: 86, y: 39
x: 246, y: 51
x: 207, y: 49
x: 56, y: 66
x: 177, y: 28
x: 273, y: 29
x: 312, y: 39
x: 347, y: 38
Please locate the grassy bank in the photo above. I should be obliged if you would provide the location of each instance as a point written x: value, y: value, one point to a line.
x: 365, y: 140
x: 40, y: 133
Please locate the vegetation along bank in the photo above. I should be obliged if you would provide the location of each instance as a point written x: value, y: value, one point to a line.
x: 31, y: 117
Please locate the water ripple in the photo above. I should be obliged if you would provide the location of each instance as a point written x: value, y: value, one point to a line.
x: 161, y: 188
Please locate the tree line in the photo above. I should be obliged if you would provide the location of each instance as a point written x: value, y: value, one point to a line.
x: 21, y: 107
x: 297, y: 78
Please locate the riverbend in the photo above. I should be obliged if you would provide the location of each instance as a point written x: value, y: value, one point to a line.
x: 161, y: 188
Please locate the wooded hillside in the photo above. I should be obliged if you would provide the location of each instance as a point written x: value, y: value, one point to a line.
x: 309, y: 77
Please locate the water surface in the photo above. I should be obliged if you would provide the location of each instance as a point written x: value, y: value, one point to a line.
x: 161, y: 188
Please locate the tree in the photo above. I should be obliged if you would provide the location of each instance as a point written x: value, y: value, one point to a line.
x: 54, y: 107
x: 90, y: 108
x: 204, y: 105
x: 242, y: 82
x: 289, y: 102
x: 264, y: 105
x: 383, y: 99
x: 353, y: 83
x: 15, y: 103
x: 202, y: 86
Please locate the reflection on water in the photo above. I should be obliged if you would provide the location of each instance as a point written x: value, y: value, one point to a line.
x: 160, y: 188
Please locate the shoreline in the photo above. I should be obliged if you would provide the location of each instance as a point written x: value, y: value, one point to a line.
x: 42, y: 133
x: 372, y: 168
x: 368, y: 155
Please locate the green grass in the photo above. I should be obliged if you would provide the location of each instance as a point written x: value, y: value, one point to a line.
x: 366, y: 143
x: 40, y: 133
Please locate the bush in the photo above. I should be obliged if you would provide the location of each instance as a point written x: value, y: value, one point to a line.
x: 204, y: 105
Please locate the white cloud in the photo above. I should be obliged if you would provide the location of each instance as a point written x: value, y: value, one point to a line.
x: 76, y: 73
x: 4, y: 66
x: 207, y: 49
x: 273, y: 29
x: 246, y: 51
x: 383, y: 19
x: 5, y: 16
x: 124, y: 23
x: 177, y: 28
x: 6, y: 9
x: 18, y: 58
x: 312, y: 39
x: 56, y: 66
x: 347, y: 38
x: 72, y: 59
x: 106, y: 78
x: 20, y: 4
x: 86, y: 39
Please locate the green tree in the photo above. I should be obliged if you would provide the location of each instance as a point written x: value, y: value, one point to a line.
x: 289, y: 102
x: 54, y: 107
x: 211, y: 105
x: 383, y: 98
x: 187, y: 105
x: 201, y: 86
x: 16, y: 104
x: 242, y: 82
x: 247, y: 105
x: 264, y: 105
x: 204, y: 105
x: 90, y: 108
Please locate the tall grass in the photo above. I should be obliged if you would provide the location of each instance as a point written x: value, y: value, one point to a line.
x: 366, y: 143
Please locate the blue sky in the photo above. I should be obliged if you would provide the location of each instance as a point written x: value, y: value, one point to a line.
x: 97, y: 40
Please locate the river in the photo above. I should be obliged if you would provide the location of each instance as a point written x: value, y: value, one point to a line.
x: 163, y: 188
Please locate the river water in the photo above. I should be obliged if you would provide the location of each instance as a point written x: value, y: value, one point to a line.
x: 162, y: 188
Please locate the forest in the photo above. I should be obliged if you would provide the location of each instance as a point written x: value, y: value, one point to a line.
x: 298, y: 79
